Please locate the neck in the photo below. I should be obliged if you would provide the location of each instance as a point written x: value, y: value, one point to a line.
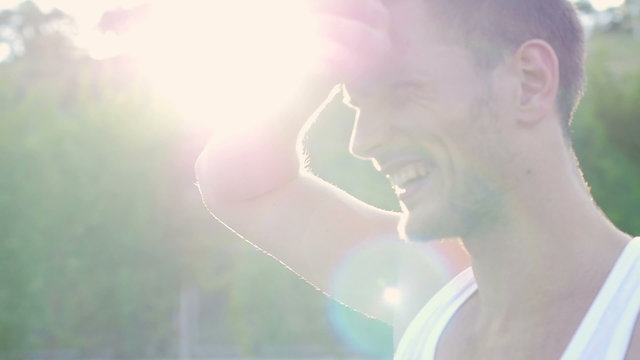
x: 554, y: 246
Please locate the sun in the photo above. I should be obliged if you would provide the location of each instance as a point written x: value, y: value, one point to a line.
x: 223, y: 59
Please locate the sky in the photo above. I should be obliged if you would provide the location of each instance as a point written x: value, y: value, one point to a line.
x: 604, y: 4
x: 87, y: 12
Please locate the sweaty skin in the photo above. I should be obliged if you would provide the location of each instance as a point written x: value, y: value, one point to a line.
x: 473, y: 155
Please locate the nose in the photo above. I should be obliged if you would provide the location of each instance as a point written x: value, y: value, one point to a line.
x: 370, y: 132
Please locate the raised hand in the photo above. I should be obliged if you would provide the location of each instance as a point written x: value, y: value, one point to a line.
x: 355, y: 37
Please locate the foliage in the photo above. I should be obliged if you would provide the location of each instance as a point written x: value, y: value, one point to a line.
x: 101, y: 226
x: 30, y: 32
x: 84, y: 225
x: 584, y: 6
x: 606, y: 128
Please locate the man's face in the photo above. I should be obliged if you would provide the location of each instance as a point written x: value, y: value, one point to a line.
x: 434, y: 124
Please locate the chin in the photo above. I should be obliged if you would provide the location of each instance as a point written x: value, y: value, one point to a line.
x: 420, y: 227
x: 423, y: 225
x: 479, y: 209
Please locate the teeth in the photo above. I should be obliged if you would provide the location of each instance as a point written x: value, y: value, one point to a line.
x: 408, y: 173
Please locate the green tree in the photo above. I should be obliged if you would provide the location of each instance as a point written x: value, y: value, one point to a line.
x: 606, y: 128
x: 30, y: 32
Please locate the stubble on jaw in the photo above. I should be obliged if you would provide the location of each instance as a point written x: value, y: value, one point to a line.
x: 478, y: 200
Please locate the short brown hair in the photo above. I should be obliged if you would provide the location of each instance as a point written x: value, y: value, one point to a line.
x: 493, y: 28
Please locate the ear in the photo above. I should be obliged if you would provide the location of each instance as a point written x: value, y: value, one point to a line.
x: 538, y: 74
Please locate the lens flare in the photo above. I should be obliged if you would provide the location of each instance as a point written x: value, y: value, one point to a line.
x: 392, y: 295
x: 369, y: 276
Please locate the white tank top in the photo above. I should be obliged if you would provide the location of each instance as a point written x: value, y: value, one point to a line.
x: 604, y: 332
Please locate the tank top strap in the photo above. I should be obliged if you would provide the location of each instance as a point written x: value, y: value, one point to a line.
x: 604, y: 332
x: 606, y: 329
x: 420, y: 339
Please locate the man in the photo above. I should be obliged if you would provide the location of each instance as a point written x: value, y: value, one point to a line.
x: 464, y: 105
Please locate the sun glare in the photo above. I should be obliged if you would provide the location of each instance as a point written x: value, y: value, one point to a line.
x: 392, y: 296
x: 5, y: 51
x: 222, y: 59
x: 605, y: 4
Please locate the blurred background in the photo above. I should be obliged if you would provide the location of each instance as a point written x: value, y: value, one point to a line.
x: 105, y: 248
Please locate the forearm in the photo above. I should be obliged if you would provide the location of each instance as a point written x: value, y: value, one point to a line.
x: 240, y: 165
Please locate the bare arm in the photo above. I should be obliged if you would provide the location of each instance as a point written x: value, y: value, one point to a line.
x: 253, y: 182
x: 255, y: 185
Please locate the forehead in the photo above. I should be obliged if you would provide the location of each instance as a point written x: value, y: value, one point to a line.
x: 409, y: 23
x: 420, y: 51
x: 416, y: 21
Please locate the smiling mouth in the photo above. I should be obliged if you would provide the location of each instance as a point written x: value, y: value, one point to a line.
x: 406, y: 179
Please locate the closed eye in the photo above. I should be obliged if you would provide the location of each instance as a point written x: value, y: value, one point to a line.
x: 405, y: 87
x: 397, y: 93
x: 402, y: 92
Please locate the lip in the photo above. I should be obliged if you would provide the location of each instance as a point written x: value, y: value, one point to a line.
x: 408, y: 194
x: 389, y: 167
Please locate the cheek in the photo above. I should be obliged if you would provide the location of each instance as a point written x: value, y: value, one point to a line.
x: 460, y: 91
x: 476, y: 143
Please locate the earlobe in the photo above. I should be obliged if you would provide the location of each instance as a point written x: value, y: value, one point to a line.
x: 538, y: 74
